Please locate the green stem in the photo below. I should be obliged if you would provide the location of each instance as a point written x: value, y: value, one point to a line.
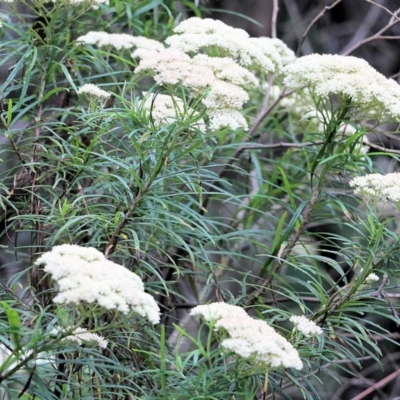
x: 265, y: 388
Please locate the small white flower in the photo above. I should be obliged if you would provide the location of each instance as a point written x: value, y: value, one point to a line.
x: 165, y: 109
x: 92, y: 90
x: 81, y: 336
x: 307, y: 327
x: 371, y: 278
x: 216, y: 311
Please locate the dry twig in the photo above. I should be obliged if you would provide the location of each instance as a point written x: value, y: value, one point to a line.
x: 274, y: 18
x: 394, y: 20
x: 313, y: 22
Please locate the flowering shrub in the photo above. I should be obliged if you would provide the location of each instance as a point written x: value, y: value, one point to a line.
x: 194, y: 211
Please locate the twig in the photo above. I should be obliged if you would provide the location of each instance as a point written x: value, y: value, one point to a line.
x: 285, y: 145
x: 265, y: 110
x: 385, y: 149
x: 295, y: 14
x: 378, y: 293
x: 114, y: 237
x: 365, y: 28
x: 289, y: 247
x: 394, y: 312
x: 378, y: 35
x: 393, y: 14
x: 313, y: 22
x: 377, y: 385
x: 274, y: 18
x: 288, y: 145
x: 393, y: 295
x: 325, y: 366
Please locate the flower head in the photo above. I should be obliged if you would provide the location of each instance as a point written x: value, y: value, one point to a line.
x: 81, y: 336
x: 202, y: 76
x: 84, y: 274
x: 377, y: 186
x: 165, y: 109
x: 371, y: 278
x: 307, y: 327
x: 213, y: 36
x: 253, y: 340
x: 217, y: 311
x: 348, y: 77
x: 94, y: 91
x: 119, y: 41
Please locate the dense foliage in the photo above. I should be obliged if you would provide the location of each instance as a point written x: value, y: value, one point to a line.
x: 189, y: 212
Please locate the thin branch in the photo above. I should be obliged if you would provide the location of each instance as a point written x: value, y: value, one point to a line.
x: 279, y: 145
x: 269, y: 301
x: 393, y: 14
x: 385, y: 149
x: 287, y: 250
x: 274, y: 18
x: 378, y: 35
x: 378, y: 293
x: 393, y: 295
x: 394, y: 76
x: 377, y: 385
x: 365, y: 28
x: 265, y: 110
x: 313, y: 22
x: 288, y: 145
x: 325, y: 366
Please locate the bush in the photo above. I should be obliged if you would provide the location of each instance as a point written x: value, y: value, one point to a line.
x: 195, y: 213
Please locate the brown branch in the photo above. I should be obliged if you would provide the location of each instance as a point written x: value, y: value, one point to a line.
x: 394, y: 15
x: 313, y: 373
x: 392, y: 309
x: 378, y: 35
x: 114, y: 237
x: 288, y: 145
x: 378, y: 293
x: 365, y: 28
x: 285, y: 145
x: 393, y: 295
x: 385, y: 149
x: 313, y: 22
x: 286, y: 252
x: 265, y: 110
x: 377, y: 385
x: 274, y: 18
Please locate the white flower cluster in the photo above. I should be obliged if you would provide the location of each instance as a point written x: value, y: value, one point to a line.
x: 307, y: 327
x: 92, y: 90
x: 376, y: 186
x: 94, y: 4
x: 223, y: 99
x: 217, y: 75
x: 119, y: 41
x: 348, y: 77
x: 251, y: 339
x: 84, y: 274
x: 81, y: 336
x: 371, y: 278
x: 195, y: 34
x: 165, y: 109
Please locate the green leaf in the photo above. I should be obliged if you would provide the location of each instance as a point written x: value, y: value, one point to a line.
x: 14, y: 325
